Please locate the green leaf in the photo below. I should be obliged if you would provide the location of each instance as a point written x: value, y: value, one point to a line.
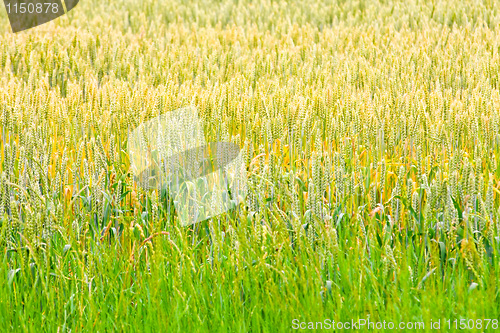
x: 66, y: 248
x: 12, y: 274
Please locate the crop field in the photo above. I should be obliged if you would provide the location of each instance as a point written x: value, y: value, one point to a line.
x: 369, y: 132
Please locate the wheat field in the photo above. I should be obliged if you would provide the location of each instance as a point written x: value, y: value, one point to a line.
x: 370, y: 133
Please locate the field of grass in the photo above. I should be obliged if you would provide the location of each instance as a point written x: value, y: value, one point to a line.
x: 370, y: 130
